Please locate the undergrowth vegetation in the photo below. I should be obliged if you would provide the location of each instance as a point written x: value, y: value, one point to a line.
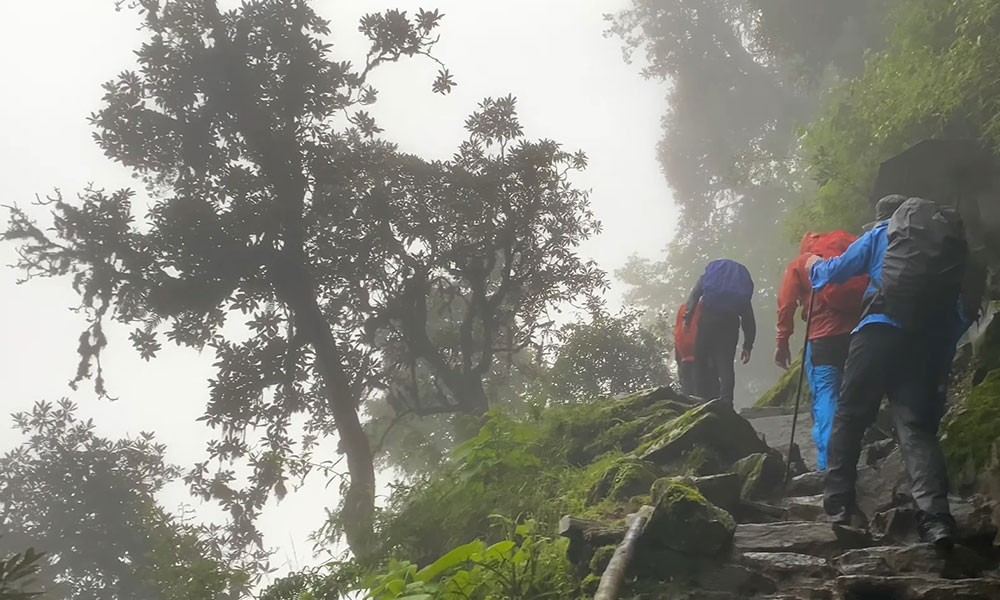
x: 482, y: 524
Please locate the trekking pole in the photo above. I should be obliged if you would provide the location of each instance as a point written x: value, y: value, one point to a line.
x: 798, y: 391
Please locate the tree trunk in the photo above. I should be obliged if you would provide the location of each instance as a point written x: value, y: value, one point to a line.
x: 359, y: 501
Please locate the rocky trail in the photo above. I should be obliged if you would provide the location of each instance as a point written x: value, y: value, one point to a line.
x: 734, y: 530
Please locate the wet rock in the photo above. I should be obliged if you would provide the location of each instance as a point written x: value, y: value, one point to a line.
x: 624, y: 479
x: 759, y: 412
x: 883, y: 487
x: 870, y: 587
x: 722, y: 490
x: 650, y: 396
x: 752, y: 511
x: 875, y: 453
x: 783, y: 566
x: 915, y: 558
x: 713, y: 425
x: 653, y: 562
x: 798, y: 464
x: 683, y: 520
x: 896, y: 526
x: 761, y: 475
x: 807, y: 484
x: 814, y: 590
x: 602, y: 556
x: 814, y: 539
x: 974, y: 520
x: 734, y: 579
x: 585, y: 537
x: 804, y: 508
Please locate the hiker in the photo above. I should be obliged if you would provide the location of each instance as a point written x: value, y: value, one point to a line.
x: 915, y: 257
x: 834, y: 313
x: 685, y: 351
x: 725, y: 291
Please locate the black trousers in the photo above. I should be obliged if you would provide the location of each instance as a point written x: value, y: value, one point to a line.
x: 715, y: 353
x: 686, y: 377
x: 886, y: 361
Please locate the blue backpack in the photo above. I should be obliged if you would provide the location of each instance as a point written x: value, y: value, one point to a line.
x: 726, y: 286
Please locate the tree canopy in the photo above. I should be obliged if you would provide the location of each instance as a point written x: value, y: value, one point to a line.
x: 88, y: 504
x: 277, y: 212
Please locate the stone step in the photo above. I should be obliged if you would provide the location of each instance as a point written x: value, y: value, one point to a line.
x: 922, y: 559
x: 869, y: 587
x: 788, y: 566
x: 800, y: 537
x: 804, y: 508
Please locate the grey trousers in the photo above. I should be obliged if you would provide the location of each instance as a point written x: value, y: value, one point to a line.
x: 886, y: 361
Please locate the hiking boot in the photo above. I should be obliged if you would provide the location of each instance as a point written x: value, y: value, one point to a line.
x: 841, y: 518
x: 848, y: 517
x: 937, y: 529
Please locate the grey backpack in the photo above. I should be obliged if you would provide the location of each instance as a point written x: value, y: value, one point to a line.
x: 924, y: 264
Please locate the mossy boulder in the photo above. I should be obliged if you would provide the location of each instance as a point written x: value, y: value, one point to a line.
x: 713, y: 426
x: 783, y: 391
x: 721, y: 490
x: 602, y: 556
x: 624, y: 479
x: 972, y: 429
x: 760, y: 475
x: 684, y: 521
x: 590, y: 584
x: 584, y: 432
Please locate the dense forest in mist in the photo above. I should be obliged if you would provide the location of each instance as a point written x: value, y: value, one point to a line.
x: 403, y: 306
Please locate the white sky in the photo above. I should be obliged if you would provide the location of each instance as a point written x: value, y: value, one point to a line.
x: 572, y: 86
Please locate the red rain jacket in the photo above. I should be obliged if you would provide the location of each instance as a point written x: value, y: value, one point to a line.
x: 837, y: 309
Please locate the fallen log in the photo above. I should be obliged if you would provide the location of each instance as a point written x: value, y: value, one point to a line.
x: 594, y: 533
x: 614, y: 574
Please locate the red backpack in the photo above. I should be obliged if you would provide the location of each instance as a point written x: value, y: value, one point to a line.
x: 686, y: 340
x: 847, y: 297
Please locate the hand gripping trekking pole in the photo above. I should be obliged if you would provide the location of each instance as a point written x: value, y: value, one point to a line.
x: 798, y: 391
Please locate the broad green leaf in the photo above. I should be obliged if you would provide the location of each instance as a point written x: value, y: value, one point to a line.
x: 452, y: 559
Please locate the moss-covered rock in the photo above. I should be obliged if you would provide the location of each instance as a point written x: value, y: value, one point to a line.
x: 624, y: 479
x: 760, y: 475
x: 684, y: 521
x: 971, y: 429
x: 714, y: 425
x: 582, y: 433
x: 721, y: 490
x: 602, y: 556
x: 783, y: 391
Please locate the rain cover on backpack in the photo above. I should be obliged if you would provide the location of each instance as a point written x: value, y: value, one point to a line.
x: 924, y: 264
x: 726, y: 286
x: 686, y: 337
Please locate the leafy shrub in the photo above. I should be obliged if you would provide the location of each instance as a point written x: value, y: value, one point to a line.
x: 524, y: 566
